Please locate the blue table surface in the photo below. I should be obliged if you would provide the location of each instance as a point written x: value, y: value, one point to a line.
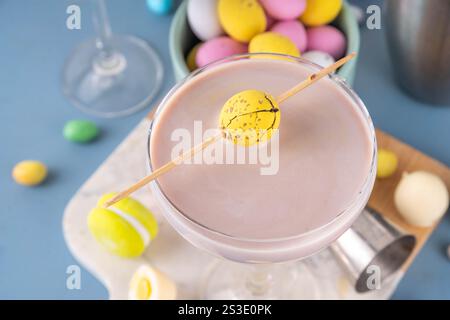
x: 34, y: 44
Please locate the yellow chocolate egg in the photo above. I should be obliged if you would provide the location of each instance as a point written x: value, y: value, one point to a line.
x: 249, y: 117
x: 29, y: 173
x: 320, y: 12
x: 271, y: 42
x: 387, y: 163
x: 190, y: 60
x: 242, y: 19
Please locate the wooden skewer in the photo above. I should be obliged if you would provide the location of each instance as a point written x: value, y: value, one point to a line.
x: 161, y: 170
x: 200, y: 147
x: 315, y: 77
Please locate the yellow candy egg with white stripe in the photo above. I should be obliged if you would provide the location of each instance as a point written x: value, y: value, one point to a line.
x: 271, y: 42
x: 249, y: 117
x: 148, y: 283
x: 242, y: 19
x: 124, y: 229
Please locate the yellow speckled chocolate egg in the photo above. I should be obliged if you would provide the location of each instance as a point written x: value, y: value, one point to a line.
x: 29, y: 173
x: 387, y: 163
x: 271, y: 42
x: 242, y: 19
x: 249, y: 117
x: 320, y: 12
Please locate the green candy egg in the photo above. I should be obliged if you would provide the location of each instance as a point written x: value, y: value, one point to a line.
x: 81, y: 131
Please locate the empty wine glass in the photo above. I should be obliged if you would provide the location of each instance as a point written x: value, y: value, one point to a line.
x: 111, y: 75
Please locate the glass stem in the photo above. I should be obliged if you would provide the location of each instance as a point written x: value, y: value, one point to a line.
x: 259, y: 280
x: 107, y: 57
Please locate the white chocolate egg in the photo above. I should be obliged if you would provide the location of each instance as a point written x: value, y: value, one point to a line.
x: 323, y: 59
x: 148, y: 283
x: 358, y: 13
x: 421, y: 198
x: 203, y: 19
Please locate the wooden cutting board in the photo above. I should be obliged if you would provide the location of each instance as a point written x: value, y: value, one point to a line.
x: 169, y: 248
x: 382, y: 196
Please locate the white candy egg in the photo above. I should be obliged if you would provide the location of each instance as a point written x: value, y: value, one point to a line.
x: 148, y: 283
x: 203, y: 19
x: 421, y: 198
x: 323, y: 59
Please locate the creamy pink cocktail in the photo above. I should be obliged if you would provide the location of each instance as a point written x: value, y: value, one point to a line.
x: 325, y: 174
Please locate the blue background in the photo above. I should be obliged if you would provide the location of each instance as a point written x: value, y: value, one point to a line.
x: 34, y: 43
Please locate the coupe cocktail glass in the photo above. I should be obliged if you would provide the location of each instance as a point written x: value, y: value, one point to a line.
x: 257, y: 270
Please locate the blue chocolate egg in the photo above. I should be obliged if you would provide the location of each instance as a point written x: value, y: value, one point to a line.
x: 160, y: 7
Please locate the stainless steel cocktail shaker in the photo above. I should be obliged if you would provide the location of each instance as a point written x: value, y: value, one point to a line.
x: 418, y: 34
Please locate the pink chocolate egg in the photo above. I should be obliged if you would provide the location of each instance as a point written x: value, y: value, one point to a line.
x: 294, y: 30
x: 284, y: 9
x: 218, y: 48
x: 327, y: 39
x: 269, y: 21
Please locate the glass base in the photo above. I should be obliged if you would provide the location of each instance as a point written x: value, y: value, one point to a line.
x: 235, y: 281
x: 118, y: 84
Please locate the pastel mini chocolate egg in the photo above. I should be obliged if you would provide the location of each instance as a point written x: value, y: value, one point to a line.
x: 218, y: 48
x: 284, y: 10
x: 160, y: 7
x: 358, y: 13
x: 294, y: 30
x: 203, y: 19
x: 242, y: 19
x: 323, y: 59
x: 269, y: 21
x: 81, y: 131
x: 421, y: 198
x: 272, y: 42
x: 327, y: 39
x: 192, y: 56
x: 387, y: 163
x: 147, y: 283
x: 320, y: 12
x: 249, y: 117
x: 29, y: 173
x: 125, y: 228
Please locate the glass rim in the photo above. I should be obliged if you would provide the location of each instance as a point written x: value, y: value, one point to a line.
x: 368, y: 182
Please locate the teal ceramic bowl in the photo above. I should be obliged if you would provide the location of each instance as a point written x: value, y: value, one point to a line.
x: 181, y: 41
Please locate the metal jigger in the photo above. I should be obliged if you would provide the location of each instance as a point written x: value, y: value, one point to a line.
x: 370, y: 243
